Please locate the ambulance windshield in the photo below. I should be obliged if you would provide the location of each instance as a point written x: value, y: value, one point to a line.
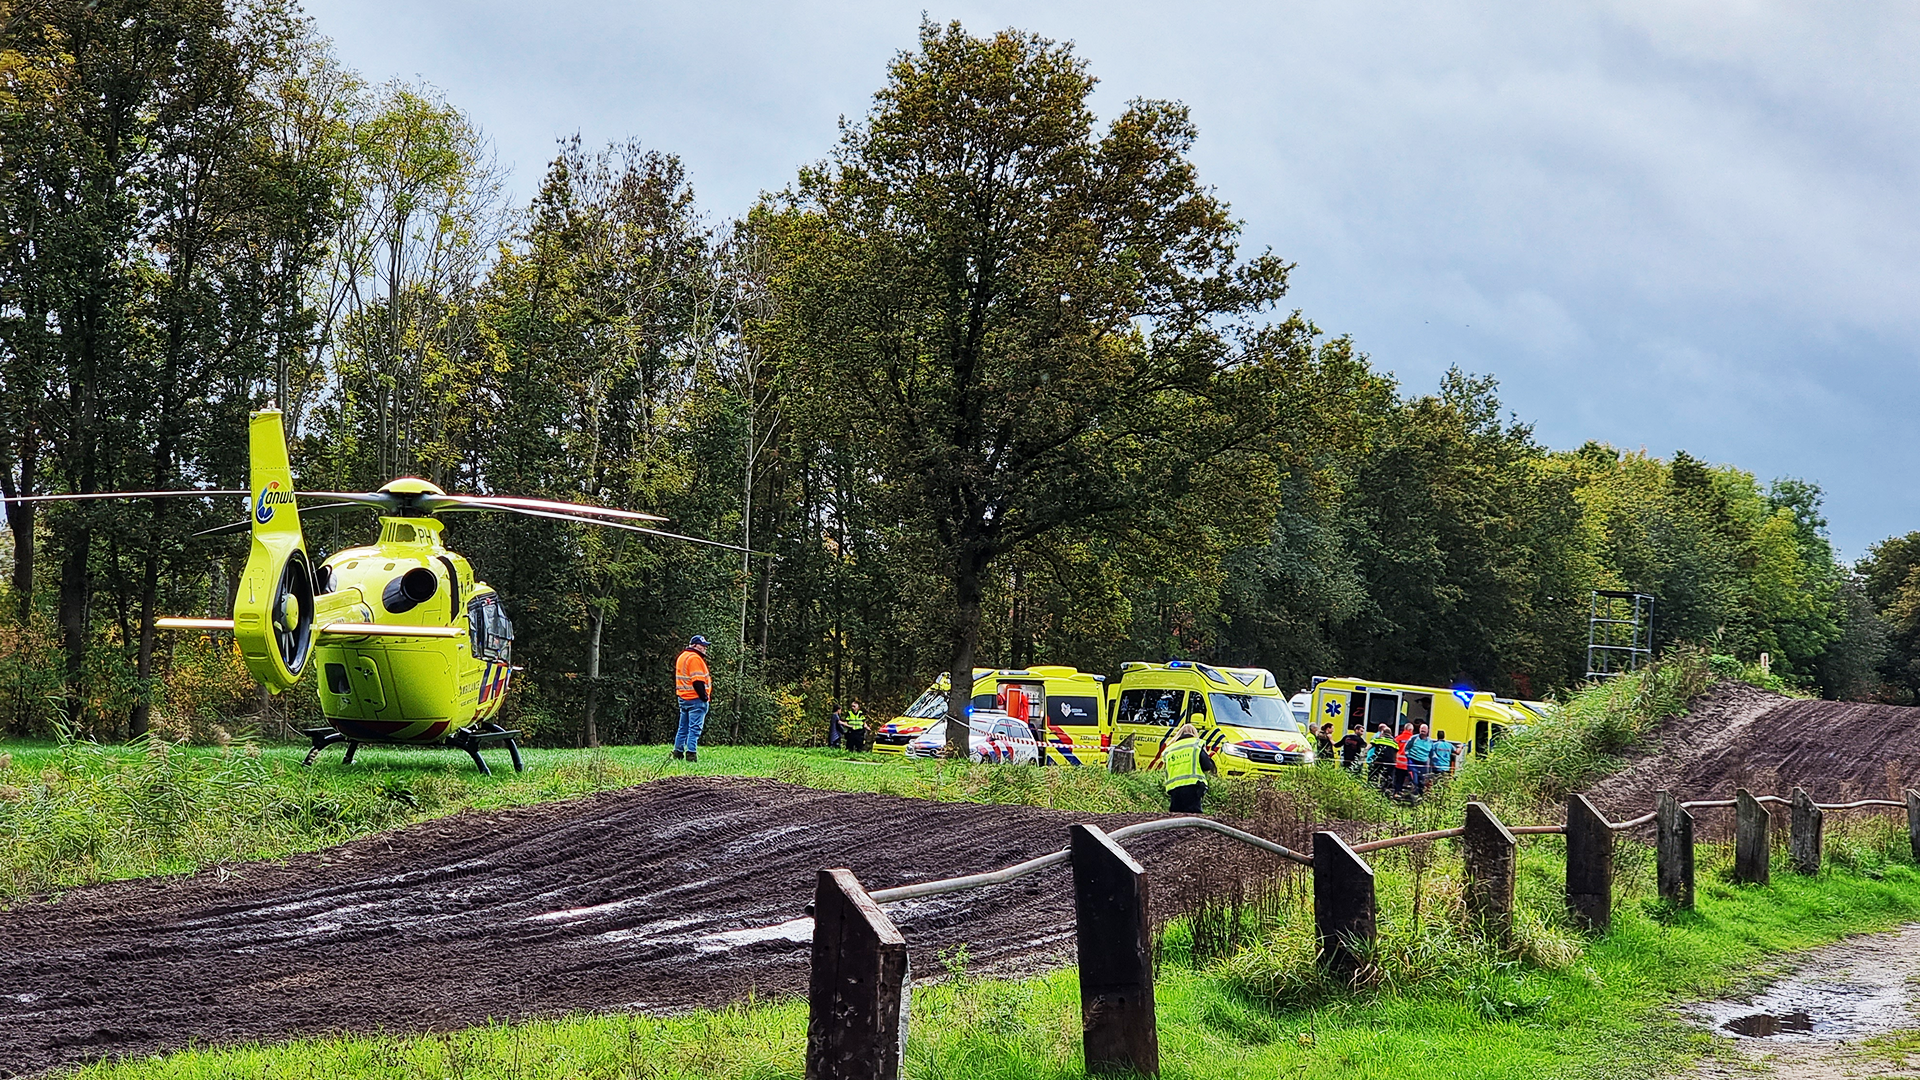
x: 1245, y: 710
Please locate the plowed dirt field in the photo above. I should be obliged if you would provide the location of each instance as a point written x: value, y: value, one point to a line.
x: 1737, y: 735
x: 666, y: 896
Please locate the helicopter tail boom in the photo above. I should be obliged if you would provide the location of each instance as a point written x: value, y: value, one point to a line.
x: 338, y: 629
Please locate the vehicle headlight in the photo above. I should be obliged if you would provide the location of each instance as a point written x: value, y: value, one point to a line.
x: 1234, y: 750
x: 1308, y: 756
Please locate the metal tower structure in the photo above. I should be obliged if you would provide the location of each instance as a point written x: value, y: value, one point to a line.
x: 1619, y: 633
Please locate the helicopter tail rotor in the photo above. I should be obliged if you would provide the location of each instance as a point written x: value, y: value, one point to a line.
x: 273, y: 609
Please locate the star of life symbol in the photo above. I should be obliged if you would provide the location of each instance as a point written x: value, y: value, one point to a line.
x: 1333, y: 708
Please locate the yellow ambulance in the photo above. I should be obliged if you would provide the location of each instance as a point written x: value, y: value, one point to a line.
x: 1472, y: 719
x: 1061, y: 706
x: 1241, y: 712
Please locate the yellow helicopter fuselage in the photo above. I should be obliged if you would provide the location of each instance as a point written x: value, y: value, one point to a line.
x: 377, y: 688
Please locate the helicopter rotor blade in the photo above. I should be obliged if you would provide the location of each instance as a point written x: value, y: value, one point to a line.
x: 630, y: 528
x: 119, y: 495
x: 437, y: 503
x: 306, y: 511
x: 378, y: 499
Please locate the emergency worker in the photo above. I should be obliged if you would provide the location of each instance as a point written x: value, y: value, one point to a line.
x: 1381, y: 751
x: 693, y: 683
x: 1323, y: 744
x: 1442, y: 758
x: 1187, y: 763
x: 1419, y: 759
x: 853, y: 728
x: 1400, y: 759
x: 1352, y: 746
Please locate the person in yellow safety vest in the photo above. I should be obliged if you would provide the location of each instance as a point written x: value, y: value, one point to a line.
x: 853, y: 728
x: 1187, y: 763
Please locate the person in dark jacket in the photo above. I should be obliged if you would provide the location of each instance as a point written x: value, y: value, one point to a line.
x: 1323, y: 743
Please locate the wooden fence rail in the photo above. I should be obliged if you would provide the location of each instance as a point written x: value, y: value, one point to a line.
x: 860, y: 983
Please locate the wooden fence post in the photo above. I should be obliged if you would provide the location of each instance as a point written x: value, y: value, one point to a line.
x: 860, y: 986
x: 1674, y: 851
x: 1913, y: 822
x: 1490, y: 871
x: 1803, y: 842
x: 1589, y: 865
x: 1343, y: 903
x: 1751, y: 848
x: 1116, y: 955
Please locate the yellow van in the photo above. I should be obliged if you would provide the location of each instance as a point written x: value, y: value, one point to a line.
x: 1061, y: 706
x: 1241, y: 711
x: 1472, y: 719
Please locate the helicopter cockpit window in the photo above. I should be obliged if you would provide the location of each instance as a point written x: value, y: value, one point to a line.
x: 490, y: 629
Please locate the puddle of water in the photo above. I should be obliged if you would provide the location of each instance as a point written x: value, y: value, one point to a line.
x: 1761, y: 1025
x: 1816, y: 1006
x: 800, y: 929
x: 582, y: 912
x: 645, y: 931
x: 1846, y: 991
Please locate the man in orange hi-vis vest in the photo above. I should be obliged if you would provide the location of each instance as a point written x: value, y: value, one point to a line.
x: 693, y: 682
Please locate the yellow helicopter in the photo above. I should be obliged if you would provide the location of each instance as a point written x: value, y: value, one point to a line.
x: 410, y: 646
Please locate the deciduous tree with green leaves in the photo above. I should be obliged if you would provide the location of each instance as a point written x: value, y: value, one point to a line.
x: 1025, y: 325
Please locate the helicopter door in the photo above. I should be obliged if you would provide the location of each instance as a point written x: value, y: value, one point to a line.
x: 367, y: 692
x: 489, y: 629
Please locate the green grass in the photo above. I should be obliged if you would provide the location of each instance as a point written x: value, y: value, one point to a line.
x: 1588, y: 1009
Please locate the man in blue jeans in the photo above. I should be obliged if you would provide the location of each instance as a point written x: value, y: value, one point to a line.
x: 693, y: 683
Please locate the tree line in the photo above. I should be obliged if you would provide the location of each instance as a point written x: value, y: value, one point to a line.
x: 992, y: 383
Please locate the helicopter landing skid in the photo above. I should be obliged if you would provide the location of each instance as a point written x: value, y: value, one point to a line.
x: 323, y: 738
x: 471, y: 739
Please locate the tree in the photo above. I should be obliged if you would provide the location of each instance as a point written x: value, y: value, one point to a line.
x: 1023, y: 326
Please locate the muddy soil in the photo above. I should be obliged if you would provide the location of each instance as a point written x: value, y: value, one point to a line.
x: 671, y: 895
x: 1741, y: 736
x: 1840, y: 1013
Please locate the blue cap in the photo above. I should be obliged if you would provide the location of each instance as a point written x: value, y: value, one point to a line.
x: 698, y: 639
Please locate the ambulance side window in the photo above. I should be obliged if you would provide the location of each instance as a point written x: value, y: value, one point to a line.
x: 983, y: 701
x: 1160, y: 708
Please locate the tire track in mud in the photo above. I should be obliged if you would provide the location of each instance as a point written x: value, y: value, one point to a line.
x: 672, y: 895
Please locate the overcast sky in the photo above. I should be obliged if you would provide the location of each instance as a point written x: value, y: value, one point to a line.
x: 1670, y: 225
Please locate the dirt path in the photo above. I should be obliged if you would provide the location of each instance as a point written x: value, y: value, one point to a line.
x: 1846, y: 1011
x: 1740, y: 736
x: 666, y: 896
